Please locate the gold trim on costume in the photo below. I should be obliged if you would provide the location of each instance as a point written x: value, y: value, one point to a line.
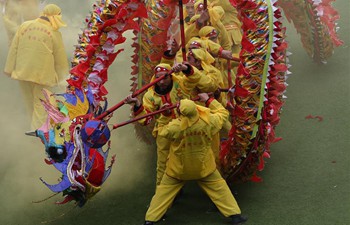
x: 231, y: 26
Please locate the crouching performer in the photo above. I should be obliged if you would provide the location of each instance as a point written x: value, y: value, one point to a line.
x: 191, y: 158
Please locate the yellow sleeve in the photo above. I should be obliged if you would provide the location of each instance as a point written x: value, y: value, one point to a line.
x: 211, y: 81
x: 214, y: 48
x: 171, y: 130
x: 218, y: 116
x: 189, y: 82
x: 191, y: 31
x: 148, y: 106
x: 224, y: 38
x: 178, y: 57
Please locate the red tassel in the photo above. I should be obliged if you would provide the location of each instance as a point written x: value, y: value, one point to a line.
x: 90, y: 50
x: 48, y: 162
x: 119, y: 40
x: 108, y: 23
x: 68, y: 198
x: 141, y: 11
x: 266, y: 155
x: 95, y: 40
x: 241, y: 92
x: 160, y: 39
x: 320, y: 118
x: 103, y: 91
x: 113, y: 56
x: 248, y: 24
x: 276, y: 139
x: 122, y: 13
x: 135, y: 58
x: 261, y: 164
x: 103, y: 75
x: 132, y: 25
x: 280, y: 67
x: 309, y: 116
x: 246, y: 45
x: 239, y: 112
x: 256, y: 179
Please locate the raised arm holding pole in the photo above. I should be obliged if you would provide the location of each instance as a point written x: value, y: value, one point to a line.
x: 136, y: 93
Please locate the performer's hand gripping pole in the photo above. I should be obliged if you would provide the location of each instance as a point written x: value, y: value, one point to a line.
x: 143, y: 116
x: 136, y: 93
x: 148, y: 114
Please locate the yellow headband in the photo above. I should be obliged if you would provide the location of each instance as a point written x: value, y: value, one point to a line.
x: 162, y: 67
x: 204, y: 31
x: 53, y: 13
x: 206, y: 58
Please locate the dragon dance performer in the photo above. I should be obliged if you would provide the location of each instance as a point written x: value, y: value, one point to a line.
x: 189, y: 11
x: 232, y: 23
x: 213, y: 16
x: 209, y: 34
x: 166, y: 92
x: 37, y: 59
x: 15, y: 12
x: 191, y: 158
x: 202, y: 59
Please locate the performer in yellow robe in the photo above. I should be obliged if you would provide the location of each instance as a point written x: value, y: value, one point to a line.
x: 231, y: 23
x: 188, y: 11
x: 191, y: 158
x: 209, y: 34
x: 166, y: 92
x: 37, y: 59
x: 212, y: 17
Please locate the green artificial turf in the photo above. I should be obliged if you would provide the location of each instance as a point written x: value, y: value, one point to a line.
x: 305, y: 182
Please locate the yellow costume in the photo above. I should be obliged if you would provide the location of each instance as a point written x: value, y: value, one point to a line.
x: 216, y: 13
x: 154, y: 99
x: 37, y: 58
x: 191, y: 158
x: 220, y: 63
x: 216, y: 77
x: 213, y: 48
x: 188, y: 11
x: 231, y: 23
x: 208, y: 70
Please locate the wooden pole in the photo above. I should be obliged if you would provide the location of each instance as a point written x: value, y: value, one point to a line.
x: 182, y: 31
x: 136, y: 93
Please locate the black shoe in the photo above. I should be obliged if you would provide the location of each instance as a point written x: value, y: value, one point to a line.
x: 148, y: 223
x: 238, y: 219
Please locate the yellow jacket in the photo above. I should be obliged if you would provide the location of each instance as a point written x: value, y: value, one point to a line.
x: 37, y: 54
x: 184, y: 86
x: 230, y: 20
x: 152, y: 101
x: 191, y: 156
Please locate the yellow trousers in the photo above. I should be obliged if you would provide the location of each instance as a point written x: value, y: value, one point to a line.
x: 32, y: 93
x: 214, y: 186
x: 163, y: 146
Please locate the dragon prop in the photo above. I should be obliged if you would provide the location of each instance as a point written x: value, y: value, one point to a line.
x: 316, y: 22
x: 76, y: 130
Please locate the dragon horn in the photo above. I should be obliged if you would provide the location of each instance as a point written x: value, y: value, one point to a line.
x: 32, y: 133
